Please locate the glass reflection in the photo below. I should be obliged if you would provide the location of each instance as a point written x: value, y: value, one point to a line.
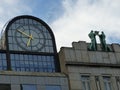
x: 3, y: 61
x: 53, y: 88
x: 29, y: 87
x: 32, y: 63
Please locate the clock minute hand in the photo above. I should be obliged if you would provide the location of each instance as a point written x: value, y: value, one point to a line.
x: 25, y: 34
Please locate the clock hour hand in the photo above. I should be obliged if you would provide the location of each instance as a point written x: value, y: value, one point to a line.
x: 30, y: 36
x: 28, y: 43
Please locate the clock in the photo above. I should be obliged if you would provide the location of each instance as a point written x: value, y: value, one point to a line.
x: 29, y: 37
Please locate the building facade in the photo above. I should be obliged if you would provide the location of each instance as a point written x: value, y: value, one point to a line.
x: 29, y: 60
x: 91, y: 70
x: 28, y: 56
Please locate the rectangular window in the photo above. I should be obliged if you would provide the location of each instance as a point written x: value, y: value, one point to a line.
x: 28, y: 87
x: 53, y: 87
x: 36, y: 63
x: 107, y: 82
x: 5, y: 87
x: 85, y: 82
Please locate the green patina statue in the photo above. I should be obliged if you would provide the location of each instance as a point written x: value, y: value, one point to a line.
x: 93, y: 44
x: 103, y: 41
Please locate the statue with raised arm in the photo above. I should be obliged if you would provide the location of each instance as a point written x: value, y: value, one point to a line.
x: 103, y: 41
x: 93, y: 45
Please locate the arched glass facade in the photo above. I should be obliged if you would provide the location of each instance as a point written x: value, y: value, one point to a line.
x: 30, y: 46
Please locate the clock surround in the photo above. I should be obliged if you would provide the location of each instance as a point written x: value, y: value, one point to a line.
x: 45, y: 42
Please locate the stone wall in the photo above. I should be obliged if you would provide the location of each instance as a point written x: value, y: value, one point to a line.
x: 76, y: 72
x: 16, y: 79
x: 77, y: 60
x: 80, y: 53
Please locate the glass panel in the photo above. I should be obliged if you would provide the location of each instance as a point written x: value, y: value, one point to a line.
x: 26, y: 21
x: 35, y: 22
x: 3, y: 61
x: 51, y: 49
x: 29, y: 87
x: 53, y: 87
x: 30, y: 21
x: 5, y: 87
x: 13, y: 26
x: 32, y: 62
x: 3, y: 56
x: 107, y: 83
x: 10, y: 39
x: 21, y: 21
x: 85, y: 82
x: 10, y: 33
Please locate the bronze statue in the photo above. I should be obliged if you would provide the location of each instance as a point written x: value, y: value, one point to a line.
x: 93, y: 45
x: 103, y: 41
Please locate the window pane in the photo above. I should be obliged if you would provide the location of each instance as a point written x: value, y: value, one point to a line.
x: 5, y: 87
x: 3, y: 61
x: 85, y: 82
x: 29, y: 87
x: 53, y: 88
x: 107, y: 83
x: 36, y: 63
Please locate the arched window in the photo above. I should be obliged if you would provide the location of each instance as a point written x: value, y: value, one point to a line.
x: 30, y: 45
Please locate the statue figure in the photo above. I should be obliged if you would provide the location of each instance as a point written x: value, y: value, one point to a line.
x: 93, y: 45
x: 103, y: 42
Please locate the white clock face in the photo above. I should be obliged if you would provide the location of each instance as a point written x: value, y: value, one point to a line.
x: 30, y: 37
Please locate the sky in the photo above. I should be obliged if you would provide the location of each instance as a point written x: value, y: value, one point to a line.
x: 70, y: 20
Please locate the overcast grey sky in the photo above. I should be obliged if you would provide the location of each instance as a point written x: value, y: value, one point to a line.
x: 70, y: 20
